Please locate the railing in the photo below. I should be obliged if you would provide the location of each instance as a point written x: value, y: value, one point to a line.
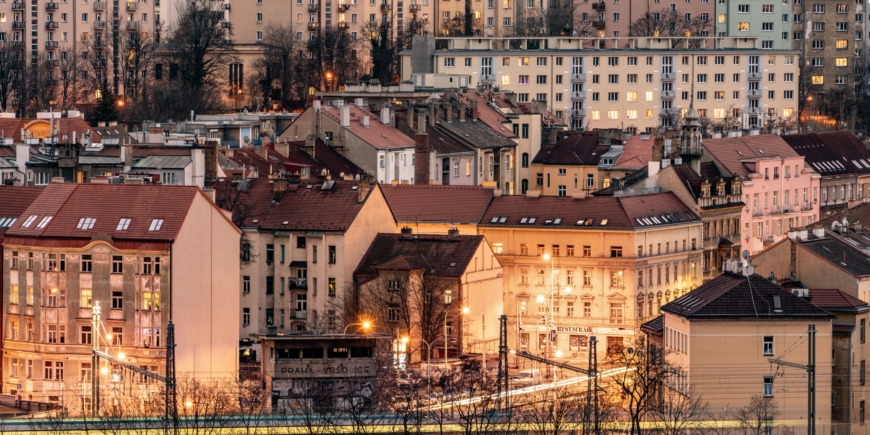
x: 132, y: 6
x: 18, y: 25
x: 17, y: 6
x: 312, y: 7
x: 312, y: 26
x: 100, y: 25
x: 343, y: 25
x: 578, y: 78
x: 132, y: 25
x: 668, y: 112
x: 754, y: 110
x: 598, y: 24
x: 51, y: 24
x: 754, y: 93
x: 51, y: 6
x: 598, y: 6
x: 668, y: 95
x: 346, y: 7
x: 298, y: 283
x: 578, y: 113
x: 754, y: 76
x: 17, y: 45
x: 100, y: 6
x: 50, y: 45
x: 299, y: 314
x: 415, y: 8
x: 578, y: 96
x: 385, y: 7
x: 669, y: 77
x: 692, y: 151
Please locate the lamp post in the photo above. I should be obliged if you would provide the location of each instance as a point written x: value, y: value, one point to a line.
x: 464, y: 311
x: 554, y: 290
x: 428, y: 356
x: 365, y: 326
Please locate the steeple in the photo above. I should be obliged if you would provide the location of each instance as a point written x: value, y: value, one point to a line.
x: 690, y: 140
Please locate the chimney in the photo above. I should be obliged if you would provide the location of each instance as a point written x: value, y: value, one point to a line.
x: 432, y: 113
x: 279, y: 186
x: 345, y: 116
x: 407, y: 232
x: 474, y: 112
x: 309, y: 145
x: 338, y: 143
x: 262, y: 152
x: 128, y: 156
x: 437, y: 112
x: 282, y: 148
x: 363, y: 187
x: 410, y: 114
x: 57, y: 180
x: 448, y: 111
x: 293, y: 178
x: 421, y: 158
x: 453, y: 233
x: 461, y: 110
x: 211, y: 194
x: 365, y: 121
x: 552, y: 134
x: 211, y: 160
x: 22, y: 156
x: 358, y: 102
x: 385, y: 115
x: 658, y: 150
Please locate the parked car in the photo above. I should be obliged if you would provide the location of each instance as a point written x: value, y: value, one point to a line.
x: 527, y: 377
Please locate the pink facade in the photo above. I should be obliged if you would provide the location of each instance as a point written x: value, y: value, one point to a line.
x: 779, y: 189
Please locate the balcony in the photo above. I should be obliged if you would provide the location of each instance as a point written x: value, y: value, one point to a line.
x: 415, y: 8
x: 598, y: 6
x: 132, y: 25
x: 487, y: 79
x: 598, y: 24
x: 225, y: 24
x: 668, y: 77
x: 578, y: 113
x: 386, y: 7
x: 132, y: 6
x: 578, y: 96
x: 754, y: 76
x: 668, y: 95
x: 98, y: 44
x: 313, y: 7
x: 50, y: 45
x: 51, y: 63
x: 754, y: 93
x: 346, y: 7
x: 668, y: 113
x: 695, y: 151
x: 578, y: 78
x: 100, y: 25
x: 299, y: 314
x: 17, y: 6
x: 225, y: 6
x: 313, y: 26
x: 342, y: 25
x: 100, y: 6
x: 298, y: 283
x: 51, y: 6
x: 754, y: 110
x: 51, y: 25
x: 17, y: 45
x: 18, y: 25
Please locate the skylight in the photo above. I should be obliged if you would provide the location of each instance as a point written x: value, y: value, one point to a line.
x: 524, y: 220
x: 494, y: 220
x: 44, y: 222
x: 123, y: 224
x: 777, y: 304
x: 532, y: 220
x: 29, y: 221
x: 548, y: 221
x: 580, y: 221
x: 502, y: 219
x: 156, y: 224
x: 557, y: 221
x: 7, y: 222
x: 86, y: 223
x: 604, y: 222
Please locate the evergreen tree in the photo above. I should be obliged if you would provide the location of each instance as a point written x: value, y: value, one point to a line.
x: 106, y: 109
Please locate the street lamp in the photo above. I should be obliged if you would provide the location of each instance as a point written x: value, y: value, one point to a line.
x: 365, y: 326
x: 328, y: 80
x: 464, y: 311
x: 554, y: 290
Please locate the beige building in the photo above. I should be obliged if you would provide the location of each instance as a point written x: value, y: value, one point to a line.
x: 301, y: 242
x: 639, y: 82
x: 459, y: 207
x: 613, y: 262
x: 75, y: 249
x: 722, y: 335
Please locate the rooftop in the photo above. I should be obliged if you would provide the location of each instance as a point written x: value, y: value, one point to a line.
x: 325, y: 157
x: 733, y: 152
x: 438, y: 255
x: 12, y: 127
x: 592, y: 213
x: 456, y: 204
x: 573, y: 149
x: 831, y: 298
x: 834, y: 153
x: 376, y: 134
x: 731, y: 296
x: 14, y: 201
x: 636, y: 153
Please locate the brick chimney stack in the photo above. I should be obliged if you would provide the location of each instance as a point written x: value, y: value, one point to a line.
x: 421, y: 158
x: 461, y: 111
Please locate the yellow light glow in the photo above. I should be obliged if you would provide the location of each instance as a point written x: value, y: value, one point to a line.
x: 104, y: 370
x: 109, y: 336
x: 558, y: 354
x: 405, y: 339
x: 567, y: 289
x: 465, y: 310
x: 121, y: 356
x: 188, y: 403
x: 546, y: 257
x: 366, y: 325
x: 540, y: 299
x: 54, y: 290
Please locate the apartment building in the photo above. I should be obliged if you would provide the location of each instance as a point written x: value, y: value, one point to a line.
x: 640, y: 82
x: 62, y: 29
x: 772, y: 22
x: 613, y: 19
x: 830, y: 36
x: 75, y: 249
x: 739, y: 321
x: 570, y: 166
x: 843, y: 162
x: 454, y: 271
x: 780, y: 190
x: 611, y: 263
x: 302, y: 240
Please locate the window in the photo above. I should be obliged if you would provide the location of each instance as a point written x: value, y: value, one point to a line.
x: 156, y: 224
x: 86, y: 300
x: 86, y: 335
x: 449, y: 61
x: 842, y: 44
x: 767, y: 345
x: 87, y: 263
x: 331, y: 288
x: 117, y: 264
x: 842, y: 8
x: 615, y: 251
x: 862, y: 328
x: 332, y: 255
x: 818, y: 9
x: 117, y: 336
x: 743, y: 9
x: 768, y: 386
x: 743, y: 26
x: 84, y: 223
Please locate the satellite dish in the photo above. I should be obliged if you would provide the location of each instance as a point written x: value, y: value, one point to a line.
x: 745, y: 254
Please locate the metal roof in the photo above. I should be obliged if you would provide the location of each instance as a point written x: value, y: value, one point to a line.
x: 163, y: 162
x: 99, y: 160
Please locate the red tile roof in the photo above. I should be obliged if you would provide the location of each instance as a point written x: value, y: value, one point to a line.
x: 11, y: 127
x: 325, y: 157
x: 731, y: 151
x: 629, y: 212
x: 492, y: 117
x: 376, y: 134
x: 832, y: 298
x: 456, y: 204
x: 835, y: 153
x: 66, y: 204
x: 636, y: 154
x: 14, y: 200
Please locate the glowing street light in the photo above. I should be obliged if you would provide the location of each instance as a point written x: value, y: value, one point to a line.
x: 366, y: 325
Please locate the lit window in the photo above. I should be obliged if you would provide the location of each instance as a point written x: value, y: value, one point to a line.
x: 612, y: 114
x: 787, y: 112
x: 743, y: 26
x: 818, y: 80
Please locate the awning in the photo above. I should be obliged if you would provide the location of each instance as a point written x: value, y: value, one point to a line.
x: 314, y: 234
x: 283, y: 233
x: 302, y: 264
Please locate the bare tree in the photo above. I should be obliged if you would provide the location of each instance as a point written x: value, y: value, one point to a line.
x: 557, y: 19
x: 757, y: 416
x: 11, y: 61
x: 276, y: 66
x: 475, y: 402
x: 666, y: 23
x: 332, y: 58
x: 639, y: 386
x: 678, y: 412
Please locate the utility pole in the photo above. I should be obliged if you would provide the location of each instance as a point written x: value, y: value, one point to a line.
x: 810, y: 368
x: 95, y: 359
